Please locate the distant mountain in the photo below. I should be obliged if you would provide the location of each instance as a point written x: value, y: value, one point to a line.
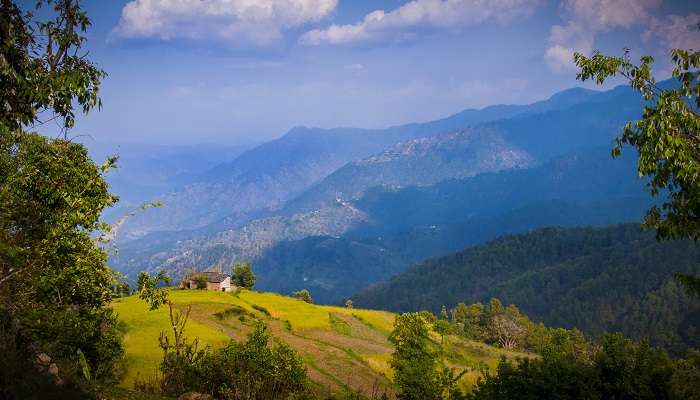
x: 416, y: 162
x: 263, y: 179
x: 356, y: 190
x: 595, y: 279
x: 522, y: 141
x: 382, y: 233
x: 580, y: 178
x: 145, y: 170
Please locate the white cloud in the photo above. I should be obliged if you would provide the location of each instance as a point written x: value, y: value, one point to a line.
x: 418, y: 14
x: 238, y: 22
x: 585, y: 18
x: 675, y: 31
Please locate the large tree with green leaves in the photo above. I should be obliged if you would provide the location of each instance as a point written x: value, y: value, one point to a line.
x: 418, y: 372
x: 243, y: 275
x: 54, y: 280
x: 667, y: 138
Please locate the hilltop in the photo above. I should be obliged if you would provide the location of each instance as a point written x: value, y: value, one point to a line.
x: 343, y: 348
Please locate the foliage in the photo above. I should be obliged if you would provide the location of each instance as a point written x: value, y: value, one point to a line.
x: 243, y: 275
x: 443, y: 328
x: 303, y: 295
x: 201, y: 281
x: 415, y: 363
x: 616, y: 368
x: 667, y: 137
x: 150, y: 290
x: 43, y: 69
x: 686, y: 379
x: 251, y: 370
x: 596, y: 279
x: 54, y: 281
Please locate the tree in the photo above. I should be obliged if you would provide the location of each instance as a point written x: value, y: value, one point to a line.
x: 469, y: 316
x: 200, y: 281
x: 615, y: 369
x: 348, y: 303
x: 443, y: 328
x: 303, y: 295
x: 54, y: 281
x: 667, y: 138
x: 507, y: 330
x: 416, y: 371
x: 443, y: 313
x: 243, y: 275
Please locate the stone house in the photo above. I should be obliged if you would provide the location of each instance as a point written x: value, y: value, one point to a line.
x: 215, y: 281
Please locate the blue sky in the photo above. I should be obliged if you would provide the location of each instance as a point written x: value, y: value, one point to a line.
x: 234, y: 71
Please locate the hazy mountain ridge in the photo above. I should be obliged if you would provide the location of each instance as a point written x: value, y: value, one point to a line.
x: 265, y: 177
x: 389, y: 229
x: 416, y: 162
x: 406, y: 186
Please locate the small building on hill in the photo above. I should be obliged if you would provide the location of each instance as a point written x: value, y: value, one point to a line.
x: 214, y: 281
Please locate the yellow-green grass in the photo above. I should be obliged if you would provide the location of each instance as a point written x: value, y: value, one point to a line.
x: 143, y: 327
x: 355, y: 356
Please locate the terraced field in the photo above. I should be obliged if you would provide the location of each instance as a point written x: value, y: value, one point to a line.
x: 343, y: 348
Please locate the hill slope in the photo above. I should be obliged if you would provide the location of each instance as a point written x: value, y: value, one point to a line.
x: 344, y: 349
x: 265, y: 177
x: 595, y: 279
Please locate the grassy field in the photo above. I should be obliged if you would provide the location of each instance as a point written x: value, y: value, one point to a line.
x: 342, y: 348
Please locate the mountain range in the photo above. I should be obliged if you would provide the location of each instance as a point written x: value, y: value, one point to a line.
x: 336, y: 210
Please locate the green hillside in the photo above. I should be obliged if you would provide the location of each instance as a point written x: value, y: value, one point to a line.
x: 343, y: 348
x: 595, y: 279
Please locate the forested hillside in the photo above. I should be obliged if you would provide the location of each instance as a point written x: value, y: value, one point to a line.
x: 595, y: 279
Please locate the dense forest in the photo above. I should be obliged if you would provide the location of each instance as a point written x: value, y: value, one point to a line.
x: 596, y: 279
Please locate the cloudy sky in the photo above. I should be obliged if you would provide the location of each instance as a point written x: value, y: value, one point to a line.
x: 230, y: 71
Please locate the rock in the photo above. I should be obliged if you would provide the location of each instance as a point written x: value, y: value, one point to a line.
x: 195, y: 396
x: 53, y: 369
x: 43, y: 359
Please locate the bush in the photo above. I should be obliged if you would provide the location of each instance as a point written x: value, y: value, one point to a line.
x: 201, y: 282
x: 303, y: 295
x: 617, y: 369
x: 249, y: 370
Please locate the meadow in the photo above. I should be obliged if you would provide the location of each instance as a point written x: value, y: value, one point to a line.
x: 343, y: 348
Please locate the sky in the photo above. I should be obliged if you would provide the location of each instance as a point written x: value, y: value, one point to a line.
x: 247, y: 71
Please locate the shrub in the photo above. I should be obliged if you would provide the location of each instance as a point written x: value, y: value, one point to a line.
x: 249, y: 370
x: 303, y: 295
x: 201, y: 282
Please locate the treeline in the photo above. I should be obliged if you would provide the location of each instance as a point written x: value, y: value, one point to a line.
x: 596, y: 279
x: 566, y: 364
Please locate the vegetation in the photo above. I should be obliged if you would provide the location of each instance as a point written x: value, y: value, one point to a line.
x: 201, y: 282
x: 594, y: 279
x: 238, y: 371
x: 615, y: 368
x: 243, y: 275
x: 417, y: 373
x: 322, y: 336
x: 303, y: 295
x: 54, y: 281
x: 666, y: 138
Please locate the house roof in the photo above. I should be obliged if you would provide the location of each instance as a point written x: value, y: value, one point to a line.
x: 213, y: 276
